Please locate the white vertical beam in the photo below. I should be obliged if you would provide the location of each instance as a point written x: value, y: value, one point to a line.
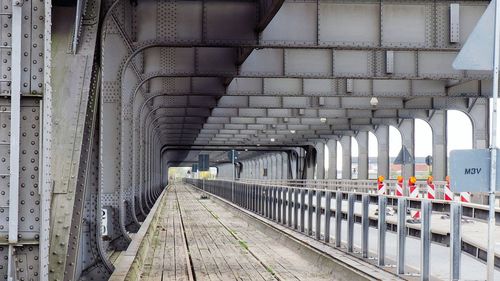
x: 15, y: 128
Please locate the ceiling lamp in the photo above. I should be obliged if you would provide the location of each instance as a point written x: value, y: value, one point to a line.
x: 322, y: 119
x: 272, y: 139
x: 374, y: 101
x: 292, y: 131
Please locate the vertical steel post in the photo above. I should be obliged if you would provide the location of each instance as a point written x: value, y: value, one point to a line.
x: 328, y: 215
x: 295, y: 208
x: 318, y: 214
x: 15, y: 128
x: 455, y: 240
x: 302, y: 209
x: 283, y: 206
x: 280, y: 190
x: 290, y: 206
x: 425, y: 238
x: 365, y: 224
x: 382, y: 226
x: 401, y: 235
x: 309, y: 211
x: 338, y: 219
x: 350, y: 222
x: 493, y: 147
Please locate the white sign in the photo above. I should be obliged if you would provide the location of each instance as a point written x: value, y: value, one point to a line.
x: 470, y: 170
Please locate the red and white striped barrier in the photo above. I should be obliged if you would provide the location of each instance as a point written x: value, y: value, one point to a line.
x: 412, y: 186
x: 382, y: 188
x: 448, y: 195
x: 465, y: 197
x: 399, y: 187
x: 431, y: 188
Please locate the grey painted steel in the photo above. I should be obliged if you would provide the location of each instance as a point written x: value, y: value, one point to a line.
x: 455, y: 240
x: 425, y: 236
x: 15, y: 127
x: 350, y: 222
x: 328, y: 215
x: 400, y: 265
x: 317, y: 230
x: 290, y: 204
x: 280, y: 202
x: 338, y: 219
x: 310, y: 209
x: 365, y: 224
x: 296, y: 207
x: 302, y: 210
x: 382, y: 228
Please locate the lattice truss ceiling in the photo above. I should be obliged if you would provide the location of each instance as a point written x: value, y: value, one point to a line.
x: 248, y: 72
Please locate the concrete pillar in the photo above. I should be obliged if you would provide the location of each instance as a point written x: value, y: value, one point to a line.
x: 279, y: 166
x: 320, y: 160
x: 438, y: 124
x: 479, y: 114
x: 332, y: 158
x: 407, y: 130
x: 345, y: 141
x: 382, y: 134
x: 284, y: 165
x: 362, y: 139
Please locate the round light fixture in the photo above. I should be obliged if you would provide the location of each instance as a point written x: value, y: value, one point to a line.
x: 292, y: 131
x: 272, y: 139
x: 374, y: 101
x: 322, y: 119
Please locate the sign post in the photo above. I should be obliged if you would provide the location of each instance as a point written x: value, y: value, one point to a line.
x: 493, y: 147
x: 481, y: 52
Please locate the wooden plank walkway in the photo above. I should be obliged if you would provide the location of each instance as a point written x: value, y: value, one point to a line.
x: 199, y: 239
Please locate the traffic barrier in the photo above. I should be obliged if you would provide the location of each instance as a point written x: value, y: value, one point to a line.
x: 465, y: 197
x: 448, y: 194
x: 399, y: 187
x: 414, y: 193
x: 431, y: 188
x: 382, y: 188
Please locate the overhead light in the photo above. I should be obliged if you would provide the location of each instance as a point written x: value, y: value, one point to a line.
x: 246, y: 149
x: 272, y: 139
x: 322, y: 119
x: 292, y: 131
x: 374, y: 101
x: 258, y: 144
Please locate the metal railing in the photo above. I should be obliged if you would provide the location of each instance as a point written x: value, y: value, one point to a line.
x: 364, y: 186
x: 309, y: 209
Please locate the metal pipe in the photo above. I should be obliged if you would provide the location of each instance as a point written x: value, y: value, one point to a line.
x: 382, y: 226
x: 425, y: 237
x: 365, y: 224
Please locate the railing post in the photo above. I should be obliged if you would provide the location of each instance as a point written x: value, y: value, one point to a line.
x: 309, y: 212
x: 382, y: 226
x: 455, y: 240
x: 318, y: 214
x: 425, y: 237
x: 283, y: 206
x: 295, y: 208
x: 401, y: 235
x: 350, y: 221
x: 302, y: 209
x: 338, y: 219
x: 280, y: 190
x: 328, y: 215
x: 290, y: 206
x: 365, y: 224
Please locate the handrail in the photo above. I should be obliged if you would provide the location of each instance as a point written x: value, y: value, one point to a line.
x: 288, y: 203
